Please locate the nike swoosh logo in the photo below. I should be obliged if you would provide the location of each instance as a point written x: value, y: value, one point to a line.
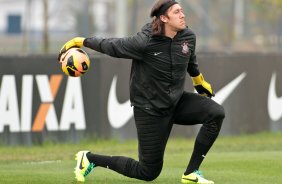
x: 274, y: 102
x: 227, y: 90
x: 193, y: 180
x: 157, y: 53
x: 118, y: 113
x: 80, y: 165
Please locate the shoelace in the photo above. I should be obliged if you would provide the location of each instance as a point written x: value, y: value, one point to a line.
x: 89, y: 169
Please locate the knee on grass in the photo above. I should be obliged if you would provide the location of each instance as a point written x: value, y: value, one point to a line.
x: 151, y: 172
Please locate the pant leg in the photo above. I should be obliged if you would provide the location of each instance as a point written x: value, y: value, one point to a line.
x: 195, y: 109
x: 153, y: 132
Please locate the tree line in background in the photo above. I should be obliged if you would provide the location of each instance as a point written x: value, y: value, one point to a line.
x: 221, y: 25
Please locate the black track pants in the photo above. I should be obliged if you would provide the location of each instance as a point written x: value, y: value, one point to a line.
x: 153, y: 132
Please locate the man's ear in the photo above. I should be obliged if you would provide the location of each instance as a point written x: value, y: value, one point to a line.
x: 163, y: 18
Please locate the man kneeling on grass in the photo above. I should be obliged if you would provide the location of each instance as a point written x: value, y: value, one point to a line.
x: 163, y: 52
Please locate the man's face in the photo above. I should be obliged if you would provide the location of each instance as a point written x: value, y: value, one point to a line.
x: 176, y: 18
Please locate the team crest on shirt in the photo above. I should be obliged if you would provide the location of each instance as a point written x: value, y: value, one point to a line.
x: 185, y: 48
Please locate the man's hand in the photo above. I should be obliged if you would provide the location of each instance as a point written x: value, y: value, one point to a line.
x: 202, y: 87
x: 75, y: 42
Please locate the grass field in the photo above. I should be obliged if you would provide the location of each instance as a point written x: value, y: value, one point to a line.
x: 252, y: 159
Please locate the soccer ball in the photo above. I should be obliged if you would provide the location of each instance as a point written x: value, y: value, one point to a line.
x: 75, y: 62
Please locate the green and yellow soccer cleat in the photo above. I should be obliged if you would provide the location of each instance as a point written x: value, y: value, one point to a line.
x: 83, y: 166
x: 195, y: 177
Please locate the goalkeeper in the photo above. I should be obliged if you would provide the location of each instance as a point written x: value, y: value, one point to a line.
x: 162, y: 53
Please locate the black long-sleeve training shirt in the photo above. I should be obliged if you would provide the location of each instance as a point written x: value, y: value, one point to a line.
x: 159, y: 64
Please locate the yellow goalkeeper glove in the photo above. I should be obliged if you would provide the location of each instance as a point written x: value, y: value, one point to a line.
x: 202, y: 86
x: 75, y: 42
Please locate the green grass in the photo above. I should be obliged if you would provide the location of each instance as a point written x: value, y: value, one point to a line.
x: 249, y: 159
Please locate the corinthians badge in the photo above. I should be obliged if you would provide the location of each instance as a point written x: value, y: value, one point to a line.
x: 185, y: 48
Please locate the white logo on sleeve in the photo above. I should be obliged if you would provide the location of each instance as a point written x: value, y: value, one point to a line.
x: 118, y: 114
x: 274, y: 102
x: 157, y: 53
